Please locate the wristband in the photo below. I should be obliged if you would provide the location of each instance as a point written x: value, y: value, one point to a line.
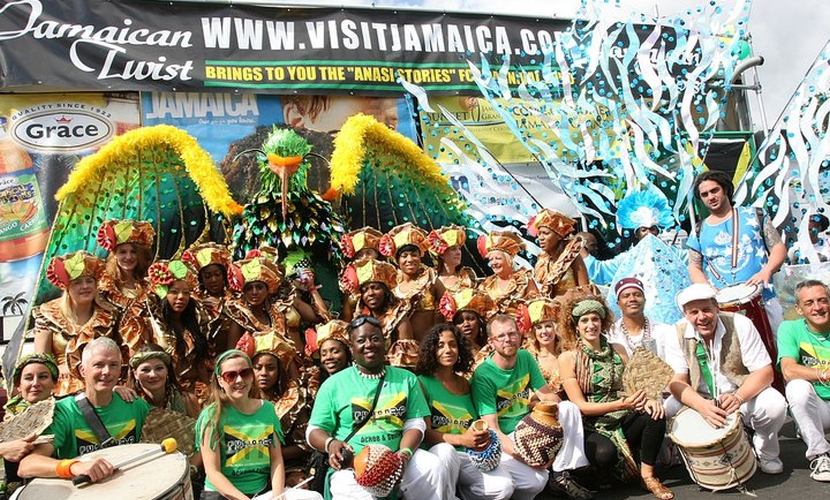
x: 408, y: 452
x: 63, y: 469
x: 326, y: 446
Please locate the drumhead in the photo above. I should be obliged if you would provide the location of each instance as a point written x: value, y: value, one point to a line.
x: 737, y: 293
x: 148, y: 479
x: 688, y: 428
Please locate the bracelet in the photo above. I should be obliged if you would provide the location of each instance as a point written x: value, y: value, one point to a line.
x: 739, y: 398
x: 328, y: 442
x: 63, y: 469
x: 408, y: 452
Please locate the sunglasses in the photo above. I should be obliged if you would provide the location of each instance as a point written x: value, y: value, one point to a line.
x: 362, y: 320
x: 230, y: 376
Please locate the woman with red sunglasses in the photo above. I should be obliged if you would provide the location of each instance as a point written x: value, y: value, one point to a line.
x: 240, y: 436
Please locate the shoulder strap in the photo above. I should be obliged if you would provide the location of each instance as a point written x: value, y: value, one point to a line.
x: 761, y: 215
x: 93, y: 420
x: 371, y: 410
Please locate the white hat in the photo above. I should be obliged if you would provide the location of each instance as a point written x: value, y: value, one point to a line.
x: 695, y: 291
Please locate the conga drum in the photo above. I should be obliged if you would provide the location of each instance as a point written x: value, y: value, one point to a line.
x: 746, y: 299
x: 163, y: 477
x: 717, y: 459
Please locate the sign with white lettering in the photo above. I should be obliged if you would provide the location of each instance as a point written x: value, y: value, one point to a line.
x: 158, y: 46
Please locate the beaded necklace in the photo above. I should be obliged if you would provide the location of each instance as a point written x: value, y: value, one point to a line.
x: 371, y: 376
x: 645, y: 335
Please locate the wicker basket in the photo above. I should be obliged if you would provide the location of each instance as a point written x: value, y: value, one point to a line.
x: 538, y: 436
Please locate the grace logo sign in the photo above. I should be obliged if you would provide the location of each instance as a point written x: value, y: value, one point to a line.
x: 62, y: 129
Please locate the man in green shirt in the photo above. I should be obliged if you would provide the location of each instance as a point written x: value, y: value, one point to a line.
x: 804, y: 358
x: 504, y: 388
x: 398, y: 420
x: 100, y: 369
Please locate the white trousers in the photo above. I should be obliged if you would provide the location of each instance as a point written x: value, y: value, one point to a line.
x: 812, y: 414
x: 291, y: 494
x: 527, y: 481
x: 425, y: 478
x: 765, y: 414
x: 473, y: 484
x: 572, y: 454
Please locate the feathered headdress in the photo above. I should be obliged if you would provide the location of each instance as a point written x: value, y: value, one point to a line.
x: 65, y: 268
x: 644, y: 209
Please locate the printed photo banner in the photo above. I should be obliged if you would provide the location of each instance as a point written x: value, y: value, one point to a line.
x: 132, y: 45
x: 42, y: 137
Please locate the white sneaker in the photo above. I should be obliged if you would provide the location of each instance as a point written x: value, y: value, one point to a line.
x: 772, y: 466
x: 821, y: 468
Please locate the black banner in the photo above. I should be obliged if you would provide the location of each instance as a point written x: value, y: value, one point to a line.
x: 131, y: 45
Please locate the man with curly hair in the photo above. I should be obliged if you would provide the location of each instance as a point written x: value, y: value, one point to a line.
x: 504, y: 388
x: 735, y: 244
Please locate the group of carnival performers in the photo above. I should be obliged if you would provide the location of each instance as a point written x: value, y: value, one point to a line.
x: 227, y: 341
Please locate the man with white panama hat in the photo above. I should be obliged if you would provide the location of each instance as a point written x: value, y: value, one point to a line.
x: 721, y: 366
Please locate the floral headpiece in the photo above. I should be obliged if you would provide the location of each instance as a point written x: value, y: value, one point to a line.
x: 355, y: 241
x: 206, y: 254
x: 265, y: 252
x: 644, y: 209
x: 43, y: 358
x: 255, y: 269
x: 467, y: 299
x: 401, y: 236
x: 269, y: 343
x: 115, y: 232
x: 333, y: 330
x: 68, y: 267
x: 444, y: 238
x: 506, y: 241
x: 368, y: 271
x: 538, y: 310
x: 557, y: 222
x: 163, y: 273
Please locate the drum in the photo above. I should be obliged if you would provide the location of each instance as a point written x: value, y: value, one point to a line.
x: 746, y: 299
x: 165, y: 477
x: 732, y: 297
x: 717, y: 459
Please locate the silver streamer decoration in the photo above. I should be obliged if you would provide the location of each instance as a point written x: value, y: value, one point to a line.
x: 794, y: 182
x: 630, y: 103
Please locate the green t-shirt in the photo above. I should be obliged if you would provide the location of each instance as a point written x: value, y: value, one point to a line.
x: 450, y: 413
x: 810, y: 349
x: 347, y: 396
x: 506, y: 393
x: 74, y: 437
x: 245, y: 452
